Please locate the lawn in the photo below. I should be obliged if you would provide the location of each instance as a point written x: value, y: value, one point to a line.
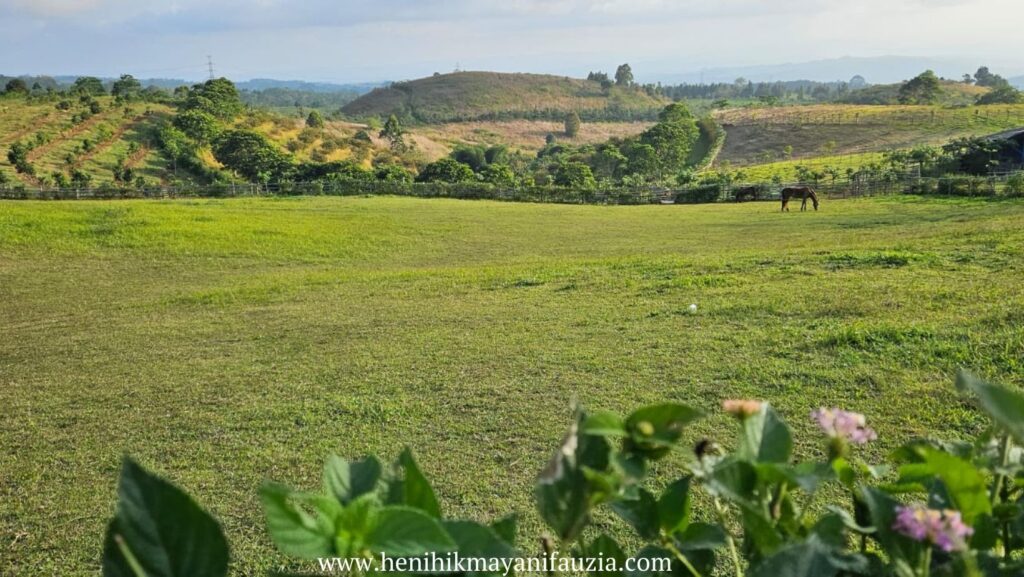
x: 224, y: 342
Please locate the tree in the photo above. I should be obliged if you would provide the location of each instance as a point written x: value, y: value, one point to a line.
x: 499, y: 175
x: 446, y: 170
x: 984, y: 77
x: 922, y: 89
x: 624, y: 75
x: 16, y: 86
x: 217, y: 97
x: 315, y: 119
x: 575, y: 174
x: 472, y: 156
x: 572, y: 124
x: 1002, y: 95
x: 393, y: 173
x: 250, y: 154
x: 393, y: 133
x: 88, y: 85
x: 672, y: 138
x: 126, y: 87
x: 198, y: 125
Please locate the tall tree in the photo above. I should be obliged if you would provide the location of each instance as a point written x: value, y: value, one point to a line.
x: 126, y: 87
x: 315, y: 119
x: 922, y: 89
x: 624, y: 75
x: 16, y: 86
x: 88, y: 85
x: 393, y: 133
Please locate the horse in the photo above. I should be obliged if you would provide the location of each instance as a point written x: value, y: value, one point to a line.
x: 747, y: 192
x: 803, y: 192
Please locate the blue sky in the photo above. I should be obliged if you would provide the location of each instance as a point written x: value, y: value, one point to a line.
x: 370, y: 40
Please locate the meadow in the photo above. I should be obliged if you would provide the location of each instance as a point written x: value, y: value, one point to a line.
x: 224, y: 342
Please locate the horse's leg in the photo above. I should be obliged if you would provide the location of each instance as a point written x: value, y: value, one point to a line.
x: 803, y: 205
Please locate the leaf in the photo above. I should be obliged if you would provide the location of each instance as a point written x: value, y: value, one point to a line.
x: 1006, y: 407
x: 882, y: 508
x: 765, y: 437
x: 406, y: 532
x: 811, y: 558
x: 604, y: 424
x: 415, y: 489
x: 700, y: 537
x: 473, y: 540
x: 562, y: 492
x: 506, y: 528
x: 348, y: 481
x: 606, y: 549
x: 674, y: 506
x: 294, y: 530
x: 641, y: 513
x: 965, y: 486
x: 655, y: 429
x: 161, y: 531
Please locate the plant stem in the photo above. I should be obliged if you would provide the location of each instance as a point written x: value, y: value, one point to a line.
x: 997, y: 489
x: 129, y: 557
x: 728, y: 538
x: 926, y: 562
x: 682, y: 558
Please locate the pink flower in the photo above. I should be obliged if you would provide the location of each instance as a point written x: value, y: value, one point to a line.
x: 945, y: 529
x: 840, y: 424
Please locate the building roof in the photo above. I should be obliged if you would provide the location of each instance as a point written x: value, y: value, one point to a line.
x: 1007, y: 134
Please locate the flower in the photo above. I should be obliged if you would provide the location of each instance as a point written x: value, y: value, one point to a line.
x: 840, y: 424
x: 742, y: 408
x: 945, y: 529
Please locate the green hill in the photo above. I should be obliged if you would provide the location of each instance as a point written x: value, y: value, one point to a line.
x: 464, y: 96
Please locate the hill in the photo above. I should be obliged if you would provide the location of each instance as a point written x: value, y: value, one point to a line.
x: 64, y: 140
x: 848, y: 135
x: 952, y: 93
x: 464, y: 96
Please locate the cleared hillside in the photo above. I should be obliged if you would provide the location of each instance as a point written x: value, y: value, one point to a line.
x: 464, y: 96
x: 763, y: 135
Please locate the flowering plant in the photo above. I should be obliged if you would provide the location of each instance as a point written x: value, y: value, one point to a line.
x: 939, y: 508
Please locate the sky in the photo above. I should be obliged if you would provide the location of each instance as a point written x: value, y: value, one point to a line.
x: 375, y: 40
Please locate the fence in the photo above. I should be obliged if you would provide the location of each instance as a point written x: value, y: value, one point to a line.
x: 1008, y: 184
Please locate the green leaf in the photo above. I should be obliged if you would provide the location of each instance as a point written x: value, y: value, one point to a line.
x: 407, y: 532
x: 294, y: 530
x: 562, y: 492
x: 965, y: 486
x: 161, y: 531
x: 700, y: 537
x: 473, y: 540
x: 641, y: 513
x: 604, y: 547
x: 811, y: 558
x: 674, y: 506
x: 765, y: 437
x: 1006, y: 407
x: 904, y: 552
x: 655, y: 429
x: 506, y: 528
x: 415, y: 490
x: 348, y: 481
x: 604, y: 424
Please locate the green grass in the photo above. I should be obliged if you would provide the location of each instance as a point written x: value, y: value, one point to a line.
x: 786, y: 169
x: 224, y: 342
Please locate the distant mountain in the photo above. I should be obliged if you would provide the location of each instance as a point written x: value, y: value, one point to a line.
x: 502, y: 96
x: 877, y: 70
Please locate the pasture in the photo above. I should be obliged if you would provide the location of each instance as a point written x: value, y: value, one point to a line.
x: 224, y: 342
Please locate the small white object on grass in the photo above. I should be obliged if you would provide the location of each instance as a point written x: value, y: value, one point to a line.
x: 693, y: 309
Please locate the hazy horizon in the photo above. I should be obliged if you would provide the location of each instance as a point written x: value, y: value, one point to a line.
x: 365, y: 41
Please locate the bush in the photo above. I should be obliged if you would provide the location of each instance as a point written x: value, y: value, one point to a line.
x: 446, y: 170
x: 1015, y: 185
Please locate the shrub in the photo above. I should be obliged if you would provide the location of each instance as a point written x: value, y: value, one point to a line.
x: 446, y: 170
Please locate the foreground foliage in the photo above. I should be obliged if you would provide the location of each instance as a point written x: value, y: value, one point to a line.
x: 939, y: 507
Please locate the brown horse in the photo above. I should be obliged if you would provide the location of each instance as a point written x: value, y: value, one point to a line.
x: 804, y: 192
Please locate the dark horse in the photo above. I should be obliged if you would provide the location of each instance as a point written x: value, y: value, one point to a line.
x: 803, y: 192
x: 747, y: 192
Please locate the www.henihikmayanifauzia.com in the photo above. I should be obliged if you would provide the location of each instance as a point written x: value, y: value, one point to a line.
x: 455, y: 563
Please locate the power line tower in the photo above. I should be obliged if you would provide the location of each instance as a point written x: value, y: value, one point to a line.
x: 209, y: 64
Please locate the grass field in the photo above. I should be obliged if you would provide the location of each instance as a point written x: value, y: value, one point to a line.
x: 224, y: 342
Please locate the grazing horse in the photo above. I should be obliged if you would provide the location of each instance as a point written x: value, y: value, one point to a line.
x: 747, y: 192
x: 803, y: 192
